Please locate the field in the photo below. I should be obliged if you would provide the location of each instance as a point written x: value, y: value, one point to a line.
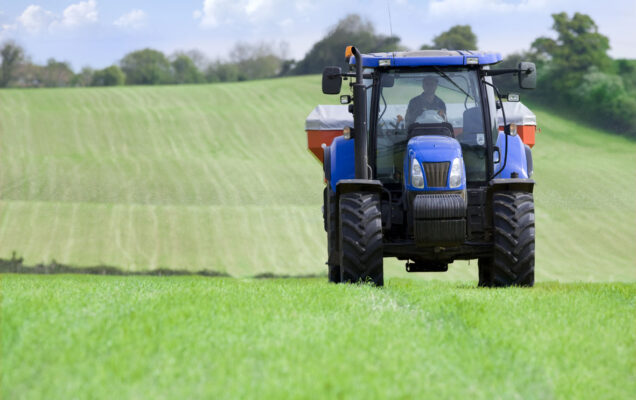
x: 195, y: 337
x: 218, y: 178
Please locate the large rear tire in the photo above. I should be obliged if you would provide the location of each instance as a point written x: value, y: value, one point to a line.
x: 512, y: 261
x: 330, y: 210
x: 360, y: 238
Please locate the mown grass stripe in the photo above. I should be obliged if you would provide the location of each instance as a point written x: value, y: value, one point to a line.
x: 199, y: 152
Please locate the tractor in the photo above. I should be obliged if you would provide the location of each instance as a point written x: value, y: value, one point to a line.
x: 418, y: 167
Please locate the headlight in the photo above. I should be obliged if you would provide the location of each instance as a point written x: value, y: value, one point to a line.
x: 417, y: 177
x: 456, y: 173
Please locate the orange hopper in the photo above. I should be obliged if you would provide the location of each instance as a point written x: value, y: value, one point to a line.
x: 520, y: 115
x: 323, y: 125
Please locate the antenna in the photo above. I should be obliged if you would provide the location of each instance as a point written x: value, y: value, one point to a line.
x: 388, y: 5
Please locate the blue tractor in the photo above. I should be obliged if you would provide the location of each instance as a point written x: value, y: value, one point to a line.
x: 424, y: 174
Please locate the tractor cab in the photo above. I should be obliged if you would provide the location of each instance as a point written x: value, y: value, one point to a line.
x: 423, y: 149
x: 422, y: 103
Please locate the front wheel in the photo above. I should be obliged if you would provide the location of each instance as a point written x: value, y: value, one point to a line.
x: 360, y: 238
x: 512, y: 261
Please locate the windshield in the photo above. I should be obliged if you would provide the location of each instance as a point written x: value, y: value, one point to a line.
x: 447, y: 99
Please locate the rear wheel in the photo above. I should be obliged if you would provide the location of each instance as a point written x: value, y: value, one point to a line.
x: 512, y: 261
x: 360, y: 238
x: 330, y: 209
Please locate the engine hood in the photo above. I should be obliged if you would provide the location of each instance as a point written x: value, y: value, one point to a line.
x: 429, y: 151
x: 434, y: 148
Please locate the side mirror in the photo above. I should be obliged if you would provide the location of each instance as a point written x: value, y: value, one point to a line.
x: 496, y: 155
x: 331, y: 80
x: 527, y: 75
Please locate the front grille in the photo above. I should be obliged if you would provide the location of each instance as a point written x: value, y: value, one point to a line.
x: 436, y: 173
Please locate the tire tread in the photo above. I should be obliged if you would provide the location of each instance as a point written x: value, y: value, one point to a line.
x: 361, y: 249
x: 512, y: 262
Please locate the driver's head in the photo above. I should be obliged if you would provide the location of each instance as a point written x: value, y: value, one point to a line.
x: 429, y: 84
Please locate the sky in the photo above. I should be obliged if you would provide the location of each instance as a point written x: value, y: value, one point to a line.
x: 98, y: 33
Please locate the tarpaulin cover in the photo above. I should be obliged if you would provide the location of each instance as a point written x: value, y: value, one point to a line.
x: 516, y: 113
x: 329, y: 118
x: 336, y: 117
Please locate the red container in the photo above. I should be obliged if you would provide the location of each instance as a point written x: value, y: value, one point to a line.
x: 522, y: 117
x: 323, y: 125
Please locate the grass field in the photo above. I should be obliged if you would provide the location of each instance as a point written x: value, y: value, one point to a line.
x: 218, y: 177
x: 191, y: 337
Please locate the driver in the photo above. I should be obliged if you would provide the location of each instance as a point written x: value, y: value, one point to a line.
x: 424, y: 102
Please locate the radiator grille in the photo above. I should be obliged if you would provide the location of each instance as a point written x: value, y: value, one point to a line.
x: 436, y: 173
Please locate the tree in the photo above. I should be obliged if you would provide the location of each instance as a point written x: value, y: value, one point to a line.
x: 198, y: 58
x: 146, y: 67
x: 459, y: 37
x: 185, y: 71
x: 626, y: 69
x: 256, y: 61
x: 56, y: 74
x: 83, y: 78
x: 287, y: 67
x: 27, y: 74
x: 575, y: 73
x: 351, y: 30
x: 604, y: 97
x: 109, y: 76
x: 578, y: 47
x: 12, y: 55
x: 222, y: 72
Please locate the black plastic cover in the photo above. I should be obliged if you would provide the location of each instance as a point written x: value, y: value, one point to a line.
x: 440, y: 219
x: 439, y: 206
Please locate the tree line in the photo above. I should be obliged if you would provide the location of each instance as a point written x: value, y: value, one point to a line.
x: 575, y: 72
x: 576, y: 75
x: 245, y: 61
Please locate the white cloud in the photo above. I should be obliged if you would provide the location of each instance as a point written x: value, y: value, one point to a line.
x: 304, y: 5
x: 135, y: 19
x: 215, y: 12
x: 9, y: 27
x: 286, y: 23
x: 467, y: 7
x: 35, y: 18
x: 6, y: 29
x: 253, y: 6
x: 82, y: 13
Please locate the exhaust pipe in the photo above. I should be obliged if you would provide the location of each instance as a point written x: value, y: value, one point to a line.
x: 360, y: 120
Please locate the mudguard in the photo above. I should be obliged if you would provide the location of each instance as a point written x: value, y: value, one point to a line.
x: 358, y: 185
x: 518, y: 161
x: 340, y: 162
x: 512, y: 184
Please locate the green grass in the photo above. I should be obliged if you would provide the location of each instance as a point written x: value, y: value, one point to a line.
x: 586, y: 201
x: 218, y: 177
x: 199, y: 177
x: 94, y: 337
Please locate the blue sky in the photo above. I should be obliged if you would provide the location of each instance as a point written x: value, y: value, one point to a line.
x: 99, y: 32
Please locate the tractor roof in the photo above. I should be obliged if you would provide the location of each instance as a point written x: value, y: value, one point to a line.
x: 427, y: 58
